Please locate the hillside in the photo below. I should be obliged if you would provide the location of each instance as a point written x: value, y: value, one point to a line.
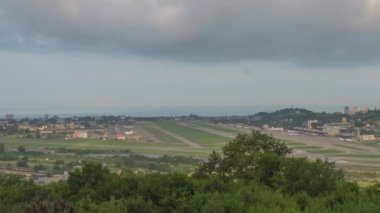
x: 253, y: 174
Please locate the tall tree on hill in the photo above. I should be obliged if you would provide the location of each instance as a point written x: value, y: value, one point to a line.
x: 262, y: 158
x: 242, y: 156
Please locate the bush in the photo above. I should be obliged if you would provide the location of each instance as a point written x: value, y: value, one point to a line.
x: 22, y: 163
x: 276, y: 183
x: 21, y: 149
x: 39, y: 167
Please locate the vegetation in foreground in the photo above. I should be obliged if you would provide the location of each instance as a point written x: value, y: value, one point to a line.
x: 251, y: 174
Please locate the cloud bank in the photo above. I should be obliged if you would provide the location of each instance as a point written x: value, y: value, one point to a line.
x: 307, y: 32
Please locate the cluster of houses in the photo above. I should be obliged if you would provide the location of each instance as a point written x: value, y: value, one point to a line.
x: 72, y: 128
x: 345, y: 130
x: 90, y: 134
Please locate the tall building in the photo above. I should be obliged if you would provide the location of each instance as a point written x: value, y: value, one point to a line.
x: 9, y: 116
x: 347, y: 110
x: 312, y: 124
x: 355, y: 109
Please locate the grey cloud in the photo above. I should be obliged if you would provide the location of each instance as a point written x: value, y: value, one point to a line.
x: 308, y: 32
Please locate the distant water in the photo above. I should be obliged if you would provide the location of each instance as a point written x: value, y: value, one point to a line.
x: 160, y: 111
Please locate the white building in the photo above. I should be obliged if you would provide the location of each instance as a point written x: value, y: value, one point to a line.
x: 80, y: 135
x: 355, y: 109
x: 367, y: 137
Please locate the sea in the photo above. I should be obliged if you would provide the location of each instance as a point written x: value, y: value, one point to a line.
x: 166, y: 111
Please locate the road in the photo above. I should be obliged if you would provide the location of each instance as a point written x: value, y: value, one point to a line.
x: 147, y: 134
x: 351, y: 155
x: 178, y: 137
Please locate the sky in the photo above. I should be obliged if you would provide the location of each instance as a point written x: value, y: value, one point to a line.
x: 179, y: 53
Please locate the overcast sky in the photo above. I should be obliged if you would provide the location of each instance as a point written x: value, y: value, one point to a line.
x: 123, y: 53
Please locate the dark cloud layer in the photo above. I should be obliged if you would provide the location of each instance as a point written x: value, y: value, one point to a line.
x: 309, y: 32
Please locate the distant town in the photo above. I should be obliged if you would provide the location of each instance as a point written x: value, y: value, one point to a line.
x: 47, y: 148
x: 353, y: 124
x: 103, y: 128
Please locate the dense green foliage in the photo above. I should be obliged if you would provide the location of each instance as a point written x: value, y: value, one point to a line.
x: 263, y: 158
x: 21, y: 149
x: 91, y: 151
x: 293, y: 117
x: 252, y: 174
x: 163, y: 163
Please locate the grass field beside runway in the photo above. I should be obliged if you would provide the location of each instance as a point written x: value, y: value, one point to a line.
x: 209, y: 137
x: 197, y: 136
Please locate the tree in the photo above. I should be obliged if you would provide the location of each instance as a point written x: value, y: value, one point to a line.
x: 211, y: 167
x: 241, y: 157
x: 59, y: 162
x: 314, y: 178
x: 27, y: 131
x: 264, y: 159
x: 22, y: 163
x: 21, y: 149
x: 38, y: 134
x: 2, y: 148
x: 58, y: 169
x: 91, y: 177
x: 39, y: 167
